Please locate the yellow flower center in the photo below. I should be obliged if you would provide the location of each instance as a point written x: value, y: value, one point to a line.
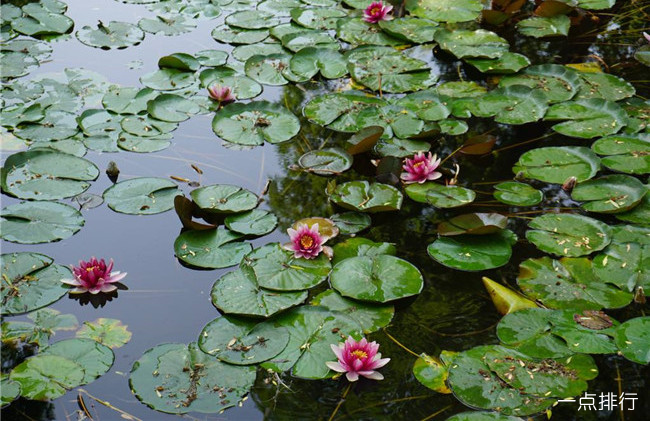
x: 306, y: 241
x: 375, y: 10
x: 359, y: 354
x: 419, y: 164
x: 90, y: 269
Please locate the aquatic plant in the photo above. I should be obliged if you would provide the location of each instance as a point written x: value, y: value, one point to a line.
x: 421, y: 168
x: 305, y: 242
x: 93, y: 276
x: 376, y: 12
x: 358, y: 358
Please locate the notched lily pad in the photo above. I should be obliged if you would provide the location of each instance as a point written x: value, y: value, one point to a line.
x: 366, y: 197
x: 114, y: 35
x: 142, y: 196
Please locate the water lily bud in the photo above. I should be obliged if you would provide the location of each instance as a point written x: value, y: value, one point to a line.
x: 569, y: 184
x: 639, y: 295
x: 112, y: 171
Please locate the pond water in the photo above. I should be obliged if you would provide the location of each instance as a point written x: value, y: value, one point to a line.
x: 170, y: 302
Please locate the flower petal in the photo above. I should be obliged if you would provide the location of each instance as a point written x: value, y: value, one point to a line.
x: 332, y: 365
x: 352, y: 376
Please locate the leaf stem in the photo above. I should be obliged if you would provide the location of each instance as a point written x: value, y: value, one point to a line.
x: 338, y: 405
x: 398, y: 343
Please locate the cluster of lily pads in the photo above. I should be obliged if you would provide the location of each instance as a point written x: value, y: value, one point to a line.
x: 389, y: 100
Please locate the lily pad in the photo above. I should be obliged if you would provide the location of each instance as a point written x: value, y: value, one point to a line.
x: 55, y: 125
x: 568, y: 283
x: 558, y: 83
x: 511, y: 105
x: 45, y: 174
x: 109, y: 332
x: 357, y: 246
x: 366, y: 197
x: 588, y: 118
x: 168, y: 79
x: 330, y: 161
x: 10, y: 390
x: 126, y: 100
x: 445, y: 10
x: 556, y: 164
x: 39, y: 21
x: 45, y: 377
x: 377, y: 279
x: 507, y: 63
x: 242, y: 342
x: 517, y: 194
x: 410, y: 29
x: 568, y: 234
x: 16, y: 64
x: 253, y: 123
x: 252, y: 19
x: 473, y: 44
x: 172, y: 108
x: 472, y: 252
x: 308, y: 61
x: 224, y: 198
x: 539, y: 27
x: 238, y: 292
x: 356, y: 31
x: 605, y: 86
x: 278, y: 269
x: 133, y: 143
x: 166, y: 378
x: 323, y: 19
x: 473, y: 223
x: 626, y: 261
x: 351, y: 222
x: 371, y: 317
x: 432, y: 373
x: 232, y: 35
x: 439, y: 195
x: 95, y: 359
x: 255, y: 222
x: 213, y: 249
x: 609, y: 194
x: 142, y: 196
x: 39, y: 222
x: 31, y: 281
x: 628, y: 154
x: 633, y: 339
x: 242, y: 86
x: 114, y: 35
x: 169, y: 26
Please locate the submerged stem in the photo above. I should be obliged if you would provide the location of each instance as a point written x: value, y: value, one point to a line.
x: 400, y: 344
x: 338, y: 405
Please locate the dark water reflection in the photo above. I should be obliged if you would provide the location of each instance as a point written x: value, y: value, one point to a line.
x: 167, y: 302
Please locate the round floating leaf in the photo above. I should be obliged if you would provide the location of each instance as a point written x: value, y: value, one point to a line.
x: 312, y: 330
x: 473, y: 223
x: 481, y: 416
x: 55, y: 125
x: 626, y: 261
x: 38, y: 20
x: 213, y: 249
x: 609, y: 194
x: 605, y: 86
x: 244, y: 52
x: 99, y: 123
x: 253, y: 123
x: 255, y: 222
x: 472, y: 252
x: 329, y: 161
x: 628, y: 154
x: 141, y: 196
x: 414, y: 30
x: 242, y: 343
x: 639, y: 215
x: 479, y: 44
x: 109, y: 332
x: 371, y: 317
x: 242, y: 86
x: 432, y: 373
x: 95, y: 358
x: 278, y: 269
x: 16, y: 64
x: 12, y: 116
x: 10, y: 390
x: 168, y: 79
x: 268, y: 69
x: 633, y: 339
x: 517, y: 194
x: 351, y: 222
x: 378, y: 279
x: 45, y: 377
x: 39, y: 222
x: 45, y: 174
x: 178, y: 378
x: 31, y: 281
x: 568, y: 234
x: 568, y: 283
x: 588, y: 118
x: 538, y: 26
x: 366, y: 197
x: 557, y: 83
x: 507, y: 63
x: 358, y: 32
x: 323, y: 19
x: 319, y: 39
x: 557, y: 164
x: 212, y: 58
x: 357, y: 246
x: 341, y: 110
x: 445, y: 10
x: 511, y: 105
x: 124, y: 100
x: 252, y: 19
x: 133, y: 143
x: 179, y: 61
x: 169, y: 26
x: 224, y: 198
x: 114, y: 35
x: 232, y: 35
x: 440, y: 196
x: 401, y: 148
x: 172, y: 108
x: 238, y: 292
x: 307, y: 62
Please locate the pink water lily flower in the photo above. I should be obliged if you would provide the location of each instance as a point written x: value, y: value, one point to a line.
x: 358, y: 358
x: 93, y: 276
x: 376, y: 12
x: 421, y: 168
x: 305, y: 241
x: 222, y: 94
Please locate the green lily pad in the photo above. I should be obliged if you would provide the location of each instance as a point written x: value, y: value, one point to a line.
x: 568, y: 234
x: 432, y: 373
x: 95, y: 359
x: 55, y: 125
x: 427, y: 105
x: 356, y: 31
x: 169, y: 26
x: 244, y: 52
x: 351, y: 222
x: 142, y: 196
x: 638, y: 113
x: 109, y: 332
x: 126, y: 100
x: 114, y: 35
x: 45, y: 377
x: 96, y: 122
x: 13, y: 115
x: 511, y: 105
x: 172, y: 108
x: 212, y: 58
x: 340, y: 111
x: 133, y: 143
x: 224, y: 198
x: 242, y: 342
x: 558, y: 83
x: 473, y: 223
x: 642, y: 55
x: 31, y: 281
x: 253, y: 123
x: 323, y: 19
x: 252, y: 19
x: 312, y: 330
x: 236, y: 36
x: 168, y: 79
x: 400, y: 148
x: 410, y: 29
x: 178, y: 378
x: 213, y: 249
x: 541, y: 26
x: 481, y: 416
x: 377, y: 279
x: 477, y: 44
x: 445, y: 10
x: 357, y: 246
x: 633, y: 339
x: 179, y: 61
x: 588, y: 118
x: 268, y: 69
x: 366, y: 197
x: 371, y: 317
x: 242, y: 87
x: 439, y: 195
x: 38, y: 21
x: 639, y: 215
x: 16, y: 64
x: 517, y: 194
x: 255, y: 222
x: 507, y: 63
x: 568, y: 283
x: 605, y: 86
x: 46, y: 322
x: 609, y: 194
x: 626, y: 261
x: 39, y: 222
x: 309, y: 38
x: 44, y: 174
x: 278, y: 269
x: 628, y: 154
x: 238, y: 292
x: 307, y: 62
x: 329, y: 161
x: 10, y: 390
x: 556, y: 164
x: 278, y: 7
x: 472, y: 252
